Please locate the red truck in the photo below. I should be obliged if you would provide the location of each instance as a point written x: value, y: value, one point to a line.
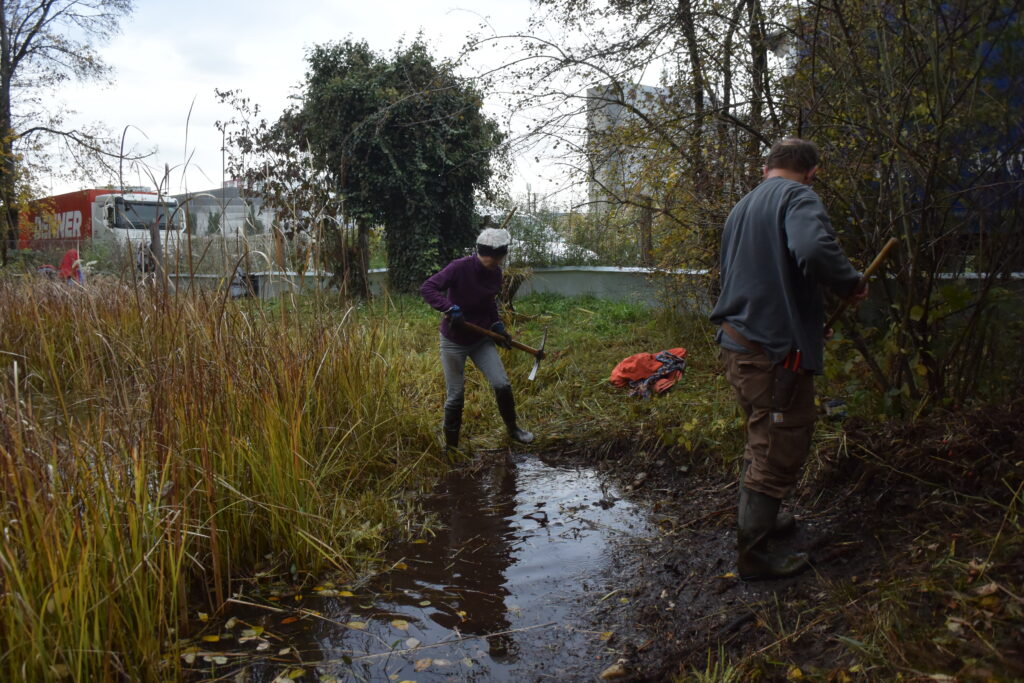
x: 66, y: 220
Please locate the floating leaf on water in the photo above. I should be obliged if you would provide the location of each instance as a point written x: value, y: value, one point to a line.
x: 624, y: 600
x: 400, y: 565
x: 400, y: 624
x: 189, y: 657
x: 283, y: 651
x: 607, y: 635
x: 289, y: 620
x: 462, y: 613
x: 211, y: 639
x: 298, y: 597
x: 220, y: 659
x: 422, y: 664
x: 412, y: 643
x: 253, y: 632
x: 424, y: 603
x: 273, y: 598
x: 358, y: 625
x: 263, y: 646
x: 346, y: 594
x: 794, y: 674
x: 204, y: 617
x: 328, y: 593
x: 467, y: 662
x: 296, y: 673
x: 442, y: 662
x: 231, y: 623
x: 420, y: 540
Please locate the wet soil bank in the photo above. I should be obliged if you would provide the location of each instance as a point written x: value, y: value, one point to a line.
x: 580, y: 564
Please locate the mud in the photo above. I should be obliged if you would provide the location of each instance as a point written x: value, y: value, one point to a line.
x: 564, y: 567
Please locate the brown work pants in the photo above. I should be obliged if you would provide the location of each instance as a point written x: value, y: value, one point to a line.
x: 778, y: 441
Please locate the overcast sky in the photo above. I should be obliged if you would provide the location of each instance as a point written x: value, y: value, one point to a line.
x: 171, y: 53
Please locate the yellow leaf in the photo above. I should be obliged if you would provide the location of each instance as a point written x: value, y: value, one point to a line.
x: 346, y: 594
x: 795, y: 674
x: 204, y: 617
x: 420, y: 540
x: 607, y: 635
x: 358, y: 625
x: 400, y: 624
x: 462, y: 613
x: 424, y: 603
x: 289, y: 620
x: 296, y: 673
x: 400, y: 565
x: 422, y: 664
x: 211, y: 639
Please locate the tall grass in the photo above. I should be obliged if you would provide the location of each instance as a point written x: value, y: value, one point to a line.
x: 153, y: 446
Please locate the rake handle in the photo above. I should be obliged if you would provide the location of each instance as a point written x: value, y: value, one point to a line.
x: 499, y: 338
x: 868, y: 272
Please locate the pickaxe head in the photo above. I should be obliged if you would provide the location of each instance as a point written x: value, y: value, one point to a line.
x: 538, y: 357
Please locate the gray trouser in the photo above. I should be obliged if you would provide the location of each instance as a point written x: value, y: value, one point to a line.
x: 453, y: 362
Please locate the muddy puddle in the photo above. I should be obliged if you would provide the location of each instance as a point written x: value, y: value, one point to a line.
x: 502, y: 590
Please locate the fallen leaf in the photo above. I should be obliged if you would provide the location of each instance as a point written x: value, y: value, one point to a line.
x: 400, y: 624
x: 211, y: 639
x: 424, y: 603
x: 346, y: 594
x: 263, y: 646
x: 204, y: 617
x: 328, y: 593
x: 422, y: 664
x: 794, y: 674
x: 988, y: 589
x: 442, y: 662
x: 400, y: 565
x: 220, y: 659
x: 616, y: 670
x: 467, y: 662
x: 358, y: 625
x: 420, y: 540
x: 412, y: 643
x: 289, y: 620
x: 607, y: 635
x: 231, y: 623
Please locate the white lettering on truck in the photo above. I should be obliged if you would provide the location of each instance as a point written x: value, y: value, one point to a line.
x: 65, y: 225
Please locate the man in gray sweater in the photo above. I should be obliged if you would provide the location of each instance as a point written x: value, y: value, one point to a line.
x: 778, y: 250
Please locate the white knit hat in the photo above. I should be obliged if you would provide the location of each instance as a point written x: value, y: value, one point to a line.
x: 494, y: 238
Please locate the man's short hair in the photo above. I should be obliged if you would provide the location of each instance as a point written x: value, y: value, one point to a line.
x: 793, y: 154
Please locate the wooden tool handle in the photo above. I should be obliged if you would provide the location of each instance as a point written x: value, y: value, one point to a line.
x: 499, y: 338
x: 868, y: 272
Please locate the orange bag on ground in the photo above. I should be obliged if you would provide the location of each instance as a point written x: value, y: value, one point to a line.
x: 650, y: 372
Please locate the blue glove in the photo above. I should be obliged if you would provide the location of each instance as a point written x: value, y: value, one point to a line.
x: 455, y: 317
x: 499, y: 327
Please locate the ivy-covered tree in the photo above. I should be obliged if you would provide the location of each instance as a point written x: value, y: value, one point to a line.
x: 399, y: 141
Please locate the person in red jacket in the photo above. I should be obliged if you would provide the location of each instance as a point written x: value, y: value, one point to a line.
x: 466, y: 290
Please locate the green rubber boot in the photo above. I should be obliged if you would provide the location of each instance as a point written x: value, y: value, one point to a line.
x: 785, y: 522
x: 755, y: 561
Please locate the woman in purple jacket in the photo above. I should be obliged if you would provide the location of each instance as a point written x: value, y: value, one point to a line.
x: 465, y: 291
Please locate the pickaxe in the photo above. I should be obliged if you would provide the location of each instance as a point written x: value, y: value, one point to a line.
x: 538, y: 354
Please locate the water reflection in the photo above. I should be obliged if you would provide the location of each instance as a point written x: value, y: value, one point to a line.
x: 498, y: 593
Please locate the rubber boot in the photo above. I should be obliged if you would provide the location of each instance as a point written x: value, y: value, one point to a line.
x: 784, y: 522
x: 756, y: 518
x: 507, y: 409
x: 452, y: 426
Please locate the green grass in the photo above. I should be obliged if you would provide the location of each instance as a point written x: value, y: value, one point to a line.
x: 154, y: 448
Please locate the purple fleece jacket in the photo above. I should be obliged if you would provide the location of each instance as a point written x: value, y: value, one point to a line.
x: 470, y: 285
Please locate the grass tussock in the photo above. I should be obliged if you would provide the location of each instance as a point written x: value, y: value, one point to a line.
x: 153, y: 446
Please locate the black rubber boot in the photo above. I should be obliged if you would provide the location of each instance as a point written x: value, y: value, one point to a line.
x: 452, y: 426
x: 784, y: 522
x: 756, y: 519
x: 507, y: 409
